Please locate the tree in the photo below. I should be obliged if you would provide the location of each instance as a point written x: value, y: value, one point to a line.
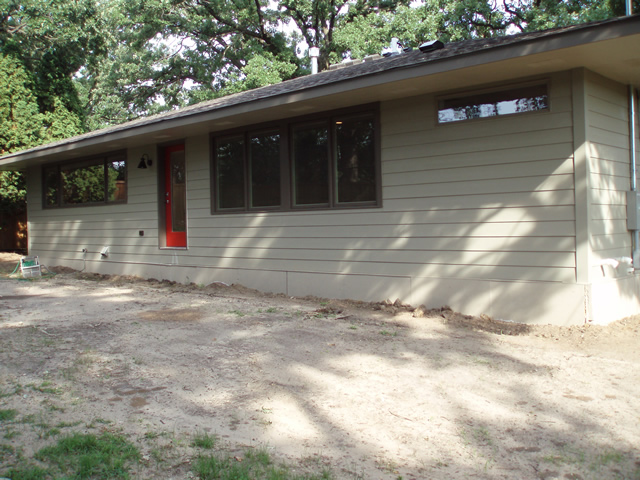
x: 172, y: 53
x: 42, y: 45
x: 169, y: 53
x: 109, y: 61
x: 20, y: 119
x: 22, y: 125
x: 53, y: 39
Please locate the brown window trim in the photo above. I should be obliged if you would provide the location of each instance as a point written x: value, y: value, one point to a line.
x: 120, y: 155
x: 285, y: 129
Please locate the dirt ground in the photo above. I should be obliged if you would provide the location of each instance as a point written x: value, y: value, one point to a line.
x: 369, y: 390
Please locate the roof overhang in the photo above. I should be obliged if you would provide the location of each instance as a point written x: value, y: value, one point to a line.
x: 611, y: 49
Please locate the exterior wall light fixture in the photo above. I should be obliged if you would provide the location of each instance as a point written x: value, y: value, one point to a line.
x: 145, y: 161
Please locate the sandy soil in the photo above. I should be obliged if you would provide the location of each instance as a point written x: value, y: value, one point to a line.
x: 368, y: 389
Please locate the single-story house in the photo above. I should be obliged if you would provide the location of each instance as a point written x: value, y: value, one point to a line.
x: 490, y: 175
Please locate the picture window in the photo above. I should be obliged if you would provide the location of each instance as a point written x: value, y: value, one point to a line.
x: 330, y: 162
x: 95, y: 181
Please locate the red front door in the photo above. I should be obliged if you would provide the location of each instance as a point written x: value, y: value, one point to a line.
x: 175, y: 193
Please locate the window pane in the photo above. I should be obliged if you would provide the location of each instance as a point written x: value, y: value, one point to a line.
x: 230, y: 173
x: 82, y: 184
x: 178, y: 192
x: 265, y: 170
x: 311, y: 166
x: 51, y: 186
x: 116, y: 181
x: 356, y: 175
x: 504, y: 102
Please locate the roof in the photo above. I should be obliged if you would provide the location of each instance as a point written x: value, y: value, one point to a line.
x: 463, y: 51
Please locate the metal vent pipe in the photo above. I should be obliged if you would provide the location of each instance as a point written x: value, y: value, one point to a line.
x: 314, y: 53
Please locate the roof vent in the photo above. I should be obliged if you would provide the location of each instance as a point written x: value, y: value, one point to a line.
x: 394, y: 48
x: 431, y: 46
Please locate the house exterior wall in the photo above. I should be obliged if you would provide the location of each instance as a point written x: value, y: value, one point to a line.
x: 58, y: 235
x: 615, y: 292
x: 478, y: 215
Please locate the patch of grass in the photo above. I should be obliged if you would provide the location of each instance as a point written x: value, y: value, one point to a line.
x: 68, y: 424
x: 89, y: 456
x: 482, y: 436
x: 9, y: 434
x: 55, y: 408
x: 17, y: 390
x: 387, y: 333
x: 31, y: 418
x: 255, y: 465
x: 101, y: 421
x: 53, y: 432
x: 28, y: 473
x: 151, y: 435
x: 45, y: 387
x: 237, y: 313
x: 566, y: 456
x: 6, y: 451
x: 7, y: 414
x: 204, y: 440
x: 608, y: 457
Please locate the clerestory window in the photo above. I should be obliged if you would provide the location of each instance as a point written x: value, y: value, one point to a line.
x: 505, y: 101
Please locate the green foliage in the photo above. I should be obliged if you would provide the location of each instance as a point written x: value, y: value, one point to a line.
x: 90, y: 456
x: 256, y: 465
x: 454, y: 20
x: 24, y: 125
x: 6, y: 415
x: 13, y: 192
x: 53, y: 39
x: 93, y: 63
x: 28, y: 473
x: 204, y: 440
x: 21, y: 124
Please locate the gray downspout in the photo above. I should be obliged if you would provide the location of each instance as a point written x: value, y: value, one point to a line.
x: 635, y: 254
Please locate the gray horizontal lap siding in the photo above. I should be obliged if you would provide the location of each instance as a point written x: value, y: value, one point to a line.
x: 487, y: 199
x: 608, y: 135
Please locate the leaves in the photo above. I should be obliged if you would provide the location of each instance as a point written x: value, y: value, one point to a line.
x: 110, y: 61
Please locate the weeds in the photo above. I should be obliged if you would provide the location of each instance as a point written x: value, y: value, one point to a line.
x: 87, y: 456
x: 204, y: 440
x: 6, y: 451
x: 387, y: 333
x: 101, y: 421
x: 7, y: 415
x: 255, y: 465
x: 9, y: 434
x: 45, y: 387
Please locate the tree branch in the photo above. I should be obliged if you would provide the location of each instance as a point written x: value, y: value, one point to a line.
x: 516, y: 14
